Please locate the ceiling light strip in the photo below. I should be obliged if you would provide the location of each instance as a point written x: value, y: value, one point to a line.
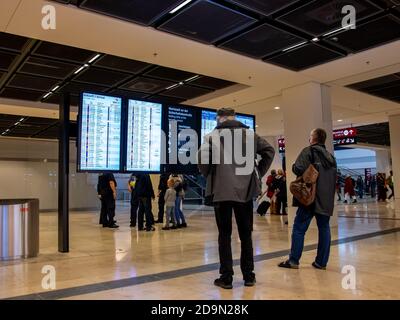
x: 183, y: 4
x: 95, y: 58
x: 295, y: 46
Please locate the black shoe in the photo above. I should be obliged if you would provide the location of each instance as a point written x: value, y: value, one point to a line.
x: 178, y: 226
x: 132, y: 225
x: 113, y: 226
x: 354, y: 201
x: 317, y: 266
x: 174, y: 227
x: 250, y: 282
x: 166, y: 228
x: 140, y: 229
x: 151, y: 229
x: 224, y: 284
x: 184, y: 225
x: 287, y: 264
x: 158, y: 221
x: 345, y: 201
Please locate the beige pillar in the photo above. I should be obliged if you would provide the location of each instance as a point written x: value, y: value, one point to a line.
x: 383, y: 161
x: 394, y: 124
x: 305, y: 108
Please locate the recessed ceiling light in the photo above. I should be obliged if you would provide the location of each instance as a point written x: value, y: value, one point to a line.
x: 180, y: 6
x: 277, y: 108
x: 340, y: 120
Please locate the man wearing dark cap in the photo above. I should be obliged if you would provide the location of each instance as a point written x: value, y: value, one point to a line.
x: 232, y: 189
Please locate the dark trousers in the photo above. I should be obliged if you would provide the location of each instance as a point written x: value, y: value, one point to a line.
x: 134, y: 209
x: 244, y: 220
x: 300, y: 227
x: 161, y: 204
x: 281, y: 202
x: 108, y: 211
x: 145, y: 209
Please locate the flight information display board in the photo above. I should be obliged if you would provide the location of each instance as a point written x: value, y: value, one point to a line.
x: 144, y: 149
x: 184, y: 117
x: 209, y: 121
x: 99, y: 133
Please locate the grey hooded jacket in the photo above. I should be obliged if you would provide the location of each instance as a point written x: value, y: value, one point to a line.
x: 223, y: 181
x: 326, y: 165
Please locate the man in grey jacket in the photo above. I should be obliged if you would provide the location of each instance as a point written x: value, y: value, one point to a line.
x: 232, y: 185
x: 323, y: 206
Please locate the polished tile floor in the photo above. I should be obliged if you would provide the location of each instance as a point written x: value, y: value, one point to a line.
x: 181, y: 264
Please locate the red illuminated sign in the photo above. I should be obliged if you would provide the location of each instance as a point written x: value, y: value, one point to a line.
x: 345, y: 133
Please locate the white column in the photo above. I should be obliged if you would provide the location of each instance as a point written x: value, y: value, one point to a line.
x: 394, y: 124
x: 383, y: 161
x: 305, y: 108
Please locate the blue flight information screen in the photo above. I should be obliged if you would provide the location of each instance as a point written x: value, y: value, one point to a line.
x: 209, y: 122
x: 100, y: 133
x: 144, y: 149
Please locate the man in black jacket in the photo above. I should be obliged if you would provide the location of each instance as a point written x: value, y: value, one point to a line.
x: 322, y: 208
x: 234, y: 190
x: 145, y: 194
x: 106, y: 188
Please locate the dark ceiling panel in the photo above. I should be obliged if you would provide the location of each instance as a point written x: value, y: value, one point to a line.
x: 67, y: 53
x: 388, y: 92
x: 211, y: 83
x: 321, y: 16
x: 262, y: 41
x: 206, y: 21
x: 144, y: 12
x: 32, y: 83
x: 6, y: 60
x: 166, y: 100
x: 122, y: 64
x: 147, y: 85
x: 21, y: 94
x: 12, y: 42
x: 1, y: 75
x: 265, y: 7
x: 76, y: 88
x: 368, y: 35
x: 387, y: 87
x: 304, y: 57
x: 374, y: 84
x: 48, y: 68
x: 101, y: 77
x: 169, y: 74
x: 55, y: 99
x: 129, y: 94
x: 186, y: 92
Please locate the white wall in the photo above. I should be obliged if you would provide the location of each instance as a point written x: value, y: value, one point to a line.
x: 28, y: 169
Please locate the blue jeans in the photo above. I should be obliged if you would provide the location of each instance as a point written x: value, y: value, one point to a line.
x: 180, y: 218
x: 301, y: 224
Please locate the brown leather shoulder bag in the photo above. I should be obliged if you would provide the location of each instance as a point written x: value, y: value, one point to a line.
x: 304, y: 187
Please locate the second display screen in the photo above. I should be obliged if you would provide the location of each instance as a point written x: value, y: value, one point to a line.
x: 144, y: 136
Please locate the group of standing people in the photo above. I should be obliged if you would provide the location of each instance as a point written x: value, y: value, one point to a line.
x: 171, y: 192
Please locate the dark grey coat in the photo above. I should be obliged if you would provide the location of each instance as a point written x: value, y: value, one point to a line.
x: 325, y: 163
x: 223, y: 184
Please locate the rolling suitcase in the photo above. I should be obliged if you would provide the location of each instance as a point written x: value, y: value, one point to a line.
x: 263, y: 208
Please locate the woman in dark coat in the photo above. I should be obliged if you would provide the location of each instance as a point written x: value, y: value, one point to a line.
x: 381, y: 184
